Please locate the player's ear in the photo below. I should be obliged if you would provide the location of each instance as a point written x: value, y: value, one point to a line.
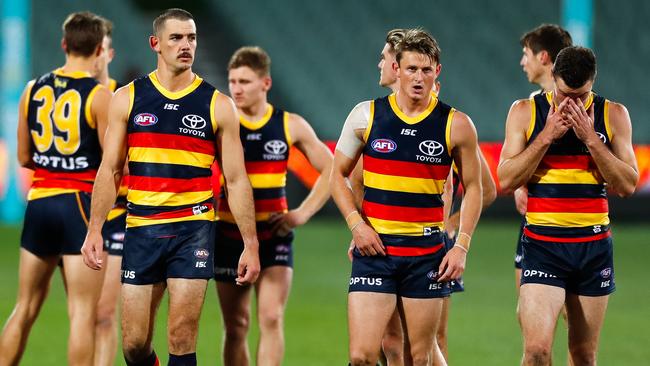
x: 268, y: 82
x: 64, y: 45
x: 395, y: 66
x: 154, y: 43
x: 98, y: 50
x: 544, y: 57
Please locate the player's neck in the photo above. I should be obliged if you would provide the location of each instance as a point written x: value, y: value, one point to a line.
x: 412, y: 107
x: 547, y: 83
x: 173, y: 81
x: 394, y: 87
x: 255, y: 112
x: 76, y: 63
x: 103, y: 77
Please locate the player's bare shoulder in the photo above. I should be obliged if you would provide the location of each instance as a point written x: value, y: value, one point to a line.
x: 619, y: 119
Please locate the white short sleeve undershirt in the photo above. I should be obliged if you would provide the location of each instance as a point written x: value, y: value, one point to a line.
x: 349, y: 143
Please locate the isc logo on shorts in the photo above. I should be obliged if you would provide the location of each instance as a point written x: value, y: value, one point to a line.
x: 129, y: 275
x: 367, y: 281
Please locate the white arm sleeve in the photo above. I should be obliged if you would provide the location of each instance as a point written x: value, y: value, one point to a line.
x: 349, y: 144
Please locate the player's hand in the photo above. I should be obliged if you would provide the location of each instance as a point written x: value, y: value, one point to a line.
x: 367, y: 240
x: 350, y: 250
x: 521, y: 200
x: 248, y: 267
x: 282, y: 223
x: 556, y: 122
x: 452, y: 265
x: 92, y: 250
x: 582, y: 122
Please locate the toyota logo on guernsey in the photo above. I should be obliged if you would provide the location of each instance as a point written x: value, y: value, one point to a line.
x: 383, y: 146
x: 145, y: 119
x: 431, y: 149
x: 193, y: 125
x: 275, y: 150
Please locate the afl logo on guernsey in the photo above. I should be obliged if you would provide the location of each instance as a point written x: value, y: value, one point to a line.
x: 383, y: 145
x: 602, y: 137
x: 145, y: 119
x: 431, y: 148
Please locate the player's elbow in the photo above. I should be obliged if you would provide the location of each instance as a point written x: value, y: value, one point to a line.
x: 489, y: 194
x: 507, y: 185
x: 626, y: 190
x: 25, y: 160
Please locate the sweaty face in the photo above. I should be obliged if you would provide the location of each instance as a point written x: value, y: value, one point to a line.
x: 563, y: 91
x: 417, y: 74
x: 532, y: 65
x: 247, y: 87
x: 387, y: 74
x: 176, y: 43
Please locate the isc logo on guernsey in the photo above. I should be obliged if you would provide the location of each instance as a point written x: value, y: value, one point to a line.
x: 383, y: 145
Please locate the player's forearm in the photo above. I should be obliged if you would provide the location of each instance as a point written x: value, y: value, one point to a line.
x: 620, y: 176
x: 318, y: 195
x: 103, y: 196
x: 240, y: 200
x: 470, y: 209
x: 517, y: 171
x: 342, y: 194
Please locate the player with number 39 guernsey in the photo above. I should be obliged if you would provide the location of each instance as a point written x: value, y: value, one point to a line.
x: 61, y: 121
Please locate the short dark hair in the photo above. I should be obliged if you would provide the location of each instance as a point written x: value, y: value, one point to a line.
x: 173, y: 13
x: 251, y: 56
x: 576, y: 66
x: 83, y: 32
x: 418, y: 40
x: 394, y: 37
x: 547, y: 37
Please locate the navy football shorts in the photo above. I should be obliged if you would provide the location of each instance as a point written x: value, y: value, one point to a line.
x: 457, y: 285
x: 113, y: 233
x: 518, y: 252
x: 277, y: 251
x: 155, y: 253
x: 404, y: 276
x: 585, y: 268
x: 56, y: 225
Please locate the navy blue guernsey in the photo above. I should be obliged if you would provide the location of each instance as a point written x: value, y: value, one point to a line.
x: 171, y: 147
x: 266, y: 151
x: 64, y: 142
x: 406, y: 161
x: 567, y: 201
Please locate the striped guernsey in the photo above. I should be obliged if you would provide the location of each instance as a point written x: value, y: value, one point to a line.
x: 567, y: 201
x: 406, y: 161
x: 171, y: 146
x: 266, y: 150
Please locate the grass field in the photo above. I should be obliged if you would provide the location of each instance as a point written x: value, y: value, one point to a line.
x: 483, y: 327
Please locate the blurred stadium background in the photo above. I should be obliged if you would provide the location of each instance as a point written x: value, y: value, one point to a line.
x: 324, y: 62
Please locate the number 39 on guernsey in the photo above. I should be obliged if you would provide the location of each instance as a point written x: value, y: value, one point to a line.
x: 64, y: 114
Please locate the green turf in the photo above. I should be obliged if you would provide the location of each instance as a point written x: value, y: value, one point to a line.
x: 483, y: 328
